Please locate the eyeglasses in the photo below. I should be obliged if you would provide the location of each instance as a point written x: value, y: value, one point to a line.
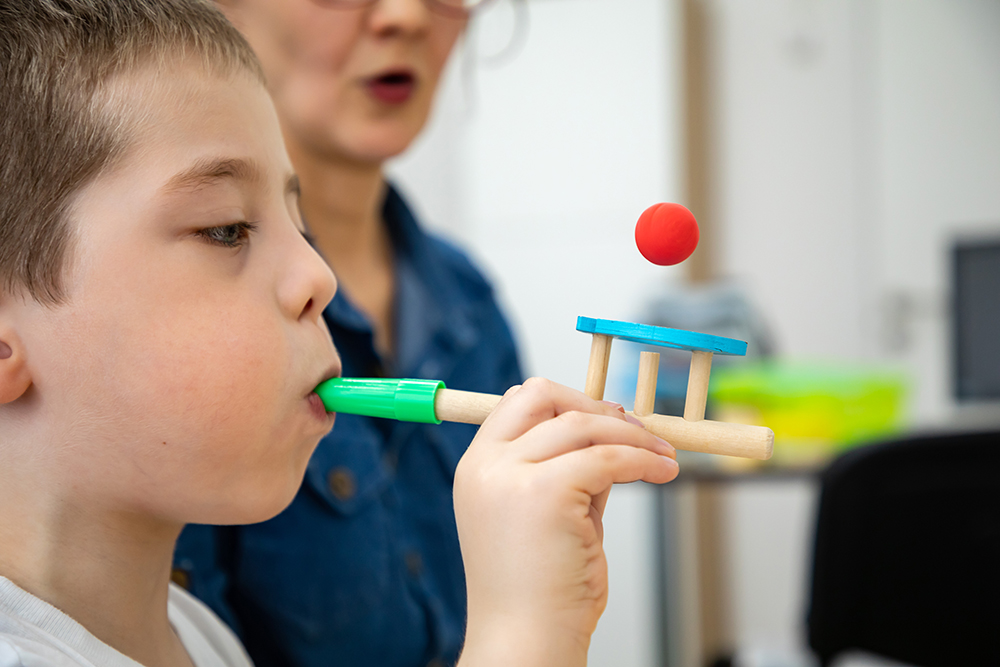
x: 453, y: 8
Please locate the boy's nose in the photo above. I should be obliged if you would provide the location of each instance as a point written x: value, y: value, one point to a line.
x: 310, y: 285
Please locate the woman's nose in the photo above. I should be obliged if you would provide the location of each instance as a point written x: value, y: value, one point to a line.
x: 399, y: 16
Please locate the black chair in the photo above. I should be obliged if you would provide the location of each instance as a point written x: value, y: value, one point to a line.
x: 907, y: 554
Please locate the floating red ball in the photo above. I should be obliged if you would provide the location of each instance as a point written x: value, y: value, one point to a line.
x: 666, y: 234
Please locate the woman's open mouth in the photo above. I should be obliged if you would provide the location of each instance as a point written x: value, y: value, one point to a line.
x: 392, y: 87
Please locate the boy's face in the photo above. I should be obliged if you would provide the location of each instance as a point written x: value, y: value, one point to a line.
x: 178, y: 374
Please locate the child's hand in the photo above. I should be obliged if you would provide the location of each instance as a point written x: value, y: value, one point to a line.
x: 529, y: 495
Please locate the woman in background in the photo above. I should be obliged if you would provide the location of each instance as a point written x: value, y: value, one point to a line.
x: 364, y: 567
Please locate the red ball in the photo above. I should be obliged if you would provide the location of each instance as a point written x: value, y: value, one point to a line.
x: 666, y: 234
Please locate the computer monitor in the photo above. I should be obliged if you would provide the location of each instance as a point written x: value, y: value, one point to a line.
x: 976, y: 319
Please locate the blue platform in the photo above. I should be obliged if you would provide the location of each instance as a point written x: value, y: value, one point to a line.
x: 647, y: 334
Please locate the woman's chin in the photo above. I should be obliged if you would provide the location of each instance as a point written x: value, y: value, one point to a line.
x: 381, y: 148
x: 375, y: 140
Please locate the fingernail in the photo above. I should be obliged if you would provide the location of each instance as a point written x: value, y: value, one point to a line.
x: 617, y: 406
x: 633, y: 420
x: 667, y: 446
x: 672, y: 461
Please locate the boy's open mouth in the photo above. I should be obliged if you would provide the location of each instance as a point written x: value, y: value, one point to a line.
x: 317, y: 408
x: 315, y: 402
x: 393, y: 87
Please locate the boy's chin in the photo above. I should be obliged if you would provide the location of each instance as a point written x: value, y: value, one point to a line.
x: 252, y: 507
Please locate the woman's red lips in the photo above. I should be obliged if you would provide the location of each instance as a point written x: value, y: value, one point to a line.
x: 392, y: 88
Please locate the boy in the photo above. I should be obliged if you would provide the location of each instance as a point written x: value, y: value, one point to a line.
x: 160, y: 337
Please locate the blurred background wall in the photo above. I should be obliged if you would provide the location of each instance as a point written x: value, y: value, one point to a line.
x: 854, y: 141
x: 832, y: 150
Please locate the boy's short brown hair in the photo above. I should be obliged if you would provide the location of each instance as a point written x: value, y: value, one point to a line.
x: 57, y: 128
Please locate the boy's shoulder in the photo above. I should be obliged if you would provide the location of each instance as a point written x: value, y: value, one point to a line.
x: 202, y: 632
x: 33, y: 633
x: 23, y: 652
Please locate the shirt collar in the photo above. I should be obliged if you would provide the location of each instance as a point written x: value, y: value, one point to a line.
x: 436, y: 310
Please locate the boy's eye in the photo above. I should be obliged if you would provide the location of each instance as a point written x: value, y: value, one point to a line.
x: 228, y: 236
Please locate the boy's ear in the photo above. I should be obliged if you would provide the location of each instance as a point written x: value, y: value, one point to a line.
x: 14, y: 376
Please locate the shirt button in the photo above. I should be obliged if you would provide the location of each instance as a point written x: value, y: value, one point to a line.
x: 436, y: 662
x: 414, y: 563
x: 341, y: 483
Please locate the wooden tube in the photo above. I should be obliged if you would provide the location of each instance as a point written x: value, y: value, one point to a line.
x: 645, y: 385
x: 466, y: 407
x: 711, y: 437
x: 753, y: 442
x: 597, y: 369
x: 697, y: 393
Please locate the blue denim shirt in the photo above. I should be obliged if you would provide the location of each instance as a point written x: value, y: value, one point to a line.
x: 364, y: 567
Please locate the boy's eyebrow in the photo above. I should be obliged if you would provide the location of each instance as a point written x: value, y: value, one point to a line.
x: 209, y: 171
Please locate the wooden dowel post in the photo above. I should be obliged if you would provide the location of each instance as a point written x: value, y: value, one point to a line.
x: 697, y: 392
x: 597, y: 370
x: 645, y: 386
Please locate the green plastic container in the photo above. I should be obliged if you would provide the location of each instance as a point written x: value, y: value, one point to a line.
x: 835, y: 407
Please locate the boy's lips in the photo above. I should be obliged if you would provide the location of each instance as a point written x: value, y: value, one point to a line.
x: 318, y: 409
x: 392, y: 86
x: 315, y: 402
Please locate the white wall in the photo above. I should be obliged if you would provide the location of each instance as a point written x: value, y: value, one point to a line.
x: 938, y: 66
x: 857, y: 138
x: 541, y: 167
x: 788, y: 144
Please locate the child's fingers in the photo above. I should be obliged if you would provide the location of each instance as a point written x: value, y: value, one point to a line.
x: 593, y: 470
x: 575, y: 430
x: 600, y: 501
x: 536, y: 401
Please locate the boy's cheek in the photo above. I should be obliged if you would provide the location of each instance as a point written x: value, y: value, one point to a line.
x: 226, y: 376
x: 197, y: 371
x: 193, y: 393
x: 212, y: 430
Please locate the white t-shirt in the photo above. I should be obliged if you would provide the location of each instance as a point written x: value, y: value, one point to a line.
x: 33, y: 633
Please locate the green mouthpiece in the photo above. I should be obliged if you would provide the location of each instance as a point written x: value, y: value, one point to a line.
x: 405, y: 400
